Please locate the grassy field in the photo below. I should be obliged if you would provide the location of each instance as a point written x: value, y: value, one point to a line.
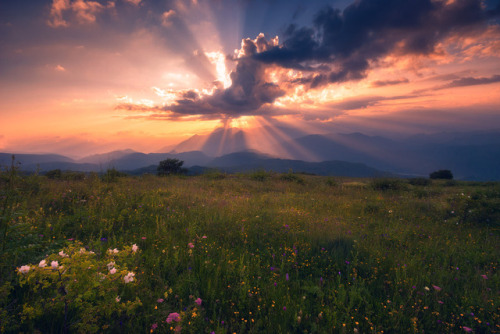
x: 260, y: 252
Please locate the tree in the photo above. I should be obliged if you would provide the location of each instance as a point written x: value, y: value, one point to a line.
x: 443, y: 174
x: 171, y: 166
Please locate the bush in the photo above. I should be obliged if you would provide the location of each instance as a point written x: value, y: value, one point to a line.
x: 442, y: 174
x: 291, y: 177
x: 419, y: 181
x: 54, y: 174
x: 388, y: 184
x: 170, y: 167
x: 112, y: 175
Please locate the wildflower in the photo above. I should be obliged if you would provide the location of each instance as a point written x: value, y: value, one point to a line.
x: 110, y: 265
x: 484, y: 276
x: 117, y: 299
x: 160, y: 300
x: 154, y: 326
x: 143, y: 238
x: 440, y: 302
x: 204, y: 237
x: 61, y: 253
x: 82, y: 250
x: 173, y: 317
x: 134, y: 248
x: 42, y: 264
x: 112, y: 271
x: 190, y: 245
x: 198, y: 301
x: 437, y: 288
x: 287, y: 277
x: 467, y: 329
x: 24, y: 269
x: 112, y: 251
x: 129, y: 277
x: 427, y: 289
x: 54, y: 264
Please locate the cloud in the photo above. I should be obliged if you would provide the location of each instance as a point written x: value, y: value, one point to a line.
x: 463, y: 82
x: 83, y: 11
x: 59, y: 68
x: 470, y: 81
x: 249, y: 90
x: 382, y: 83
x: 343, y: 45
x: 134, y: 2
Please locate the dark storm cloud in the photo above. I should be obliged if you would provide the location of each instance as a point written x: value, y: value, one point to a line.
x: 350, y: 40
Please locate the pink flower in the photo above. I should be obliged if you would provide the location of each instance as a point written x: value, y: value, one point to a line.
x: 143, y: 238
x: 437, y: 288
x: 61, y: 253
x: 198, y: 301
x: 160, y: 300
x: 54, y: 264
x: 484, y: 276
x: 204, y: 237
x: 154, y: 326
x: 24, y: 269
x: 173, y: 317
x: 42, y: 264
x: 467, y: 329
x: 190, y: 245
x: 112, y: 271
x: 135, y: 248
x: 129, y: 277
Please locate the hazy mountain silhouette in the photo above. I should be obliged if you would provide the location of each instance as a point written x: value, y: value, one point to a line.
x: 471, y: 156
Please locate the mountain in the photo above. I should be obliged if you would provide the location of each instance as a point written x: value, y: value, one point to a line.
x: 248, y: 161
x: 219, y: 142
x: 105, y: 158
x: 28, y: 159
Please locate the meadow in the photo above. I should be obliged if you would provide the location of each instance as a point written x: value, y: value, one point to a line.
x: 248, y: 253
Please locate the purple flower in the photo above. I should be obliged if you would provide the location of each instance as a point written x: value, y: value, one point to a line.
x: 173, y: 317
x: 198, y: 301
x: 287, y: 277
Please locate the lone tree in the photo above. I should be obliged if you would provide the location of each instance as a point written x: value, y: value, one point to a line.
x: 443, y: 174
x: 171, y: 166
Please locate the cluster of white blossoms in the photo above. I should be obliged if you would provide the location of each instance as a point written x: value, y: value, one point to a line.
x: 111, y: 265
x: 129, y: 277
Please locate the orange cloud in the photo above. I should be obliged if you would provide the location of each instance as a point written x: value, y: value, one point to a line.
x: 83, y: 11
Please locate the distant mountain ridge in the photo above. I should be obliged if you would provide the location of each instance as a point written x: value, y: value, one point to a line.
x: 470, y: 156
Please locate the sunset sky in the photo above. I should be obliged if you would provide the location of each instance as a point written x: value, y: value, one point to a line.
x: 80, y: 77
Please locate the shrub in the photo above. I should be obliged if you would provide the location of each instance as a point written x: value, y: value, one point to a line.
x: 388, y: 184
x: 171, y: 166
x: 419, y: 181
x: 442, y: 174
x: 54, y: 174
x: 291, y: 177
x: 260, y: 175
x: 79, y: 289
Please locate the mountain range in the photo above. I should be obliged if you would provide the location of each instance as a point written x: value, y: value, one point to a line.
x: 470, y: 156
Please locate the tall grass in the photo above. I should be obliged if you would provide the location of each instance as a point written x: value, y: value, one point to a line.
x: 266, y: 252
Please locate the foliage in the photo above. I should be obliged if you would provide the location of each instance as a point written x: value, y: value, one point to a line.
x: 54, y: 174
x: 112, y: 175
x: 234, y: 255
x: 388, y: 184
x: 78, y: 290
x: 419, y: 181
x: 442, y: 174
x: 170, y: 167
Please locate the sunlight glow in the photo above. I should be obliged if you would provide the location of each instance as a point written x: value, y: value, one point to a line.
x: 219, y: 60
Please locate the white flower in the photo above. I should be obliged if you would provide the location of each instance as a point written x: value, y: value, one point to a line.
x: 129, y: 277
x: 110, y: 265
x: 82, y: 250
x: 42, y: 264
x: 427, y: 289
x: 112, y: 271
x: 54, y: 264
x: 112, y: 251
x: 135, y: 248
x: 24, y: 269
x: 61, y: 253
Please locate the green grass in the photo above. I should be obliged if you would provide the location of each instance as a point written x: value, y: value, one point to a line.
x: 282, y: 253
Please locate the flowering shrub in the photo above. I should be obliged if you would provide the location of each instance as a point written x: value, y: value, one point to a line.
x: 80, y: 290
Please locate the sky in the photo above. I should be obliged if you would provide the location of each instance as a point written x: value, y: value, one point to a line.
x: 79, y: 77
